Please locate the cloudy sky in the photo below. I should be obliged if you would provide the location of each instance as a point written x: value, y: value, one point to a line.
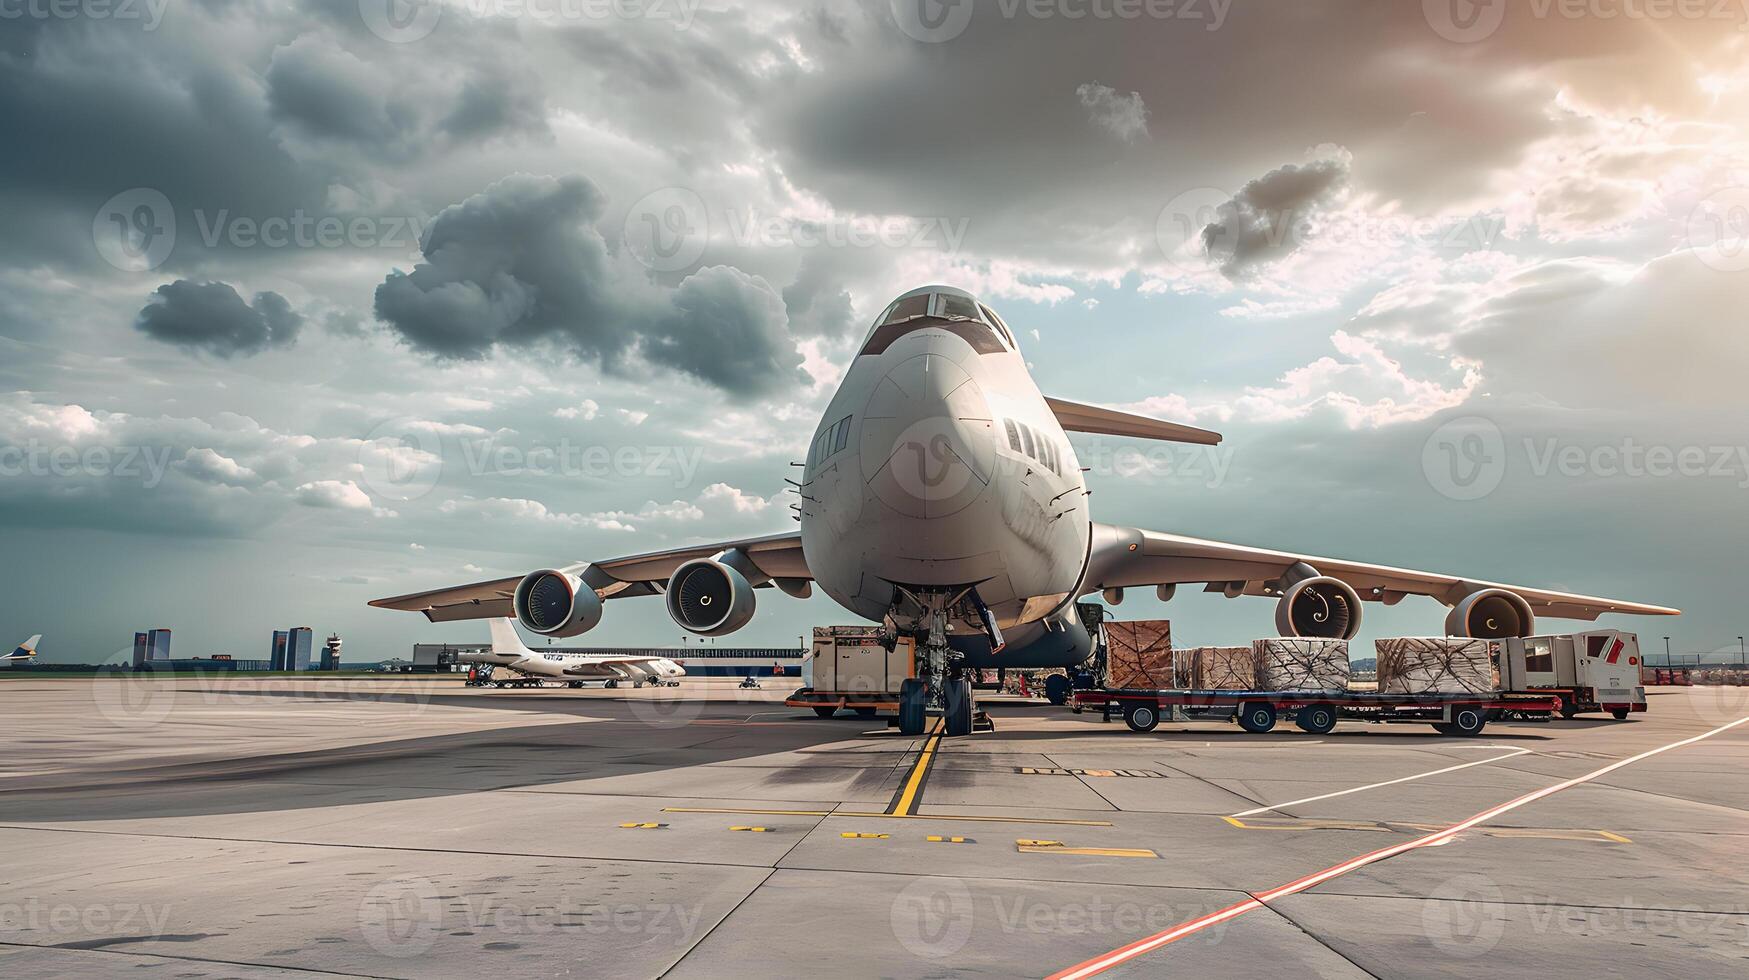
x: 308, y: 302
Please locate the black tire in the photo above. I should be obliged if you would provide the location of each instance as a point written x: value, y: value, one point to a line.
x: 1316, y: 719
x: 825, y: 710
x: 959, y: 707
x: 911, y: 697
x: 1058, y: 689
x: 1619, y: 714
x: 1257, y: 717
x: 502, y: 684
x: 576, y: 685
x: 865, y: 712
x: 610, y: 685
x: 1141, y: 717
x: 1467, y: 721
x: 1568, y: 709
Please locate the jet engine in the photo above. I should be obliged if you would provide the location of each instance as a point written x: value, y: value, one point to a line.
x: 556, y: 602
x: 1319, y: 606
x: 1490, y: 614
x: 710, y: 598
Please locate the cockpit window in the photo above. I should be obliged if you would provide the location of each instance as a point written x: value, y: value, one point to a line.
x: 950, y: 305
x: 947, y: 312
x: 907, y: 308
x: 991, y: 318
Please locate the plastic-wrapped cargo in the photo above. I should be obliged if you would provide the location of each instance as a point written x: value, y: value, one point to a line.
x: 1301, y: 664
x: 1225, y: 669
x: 1434, y: 665
x: 1139, y: 654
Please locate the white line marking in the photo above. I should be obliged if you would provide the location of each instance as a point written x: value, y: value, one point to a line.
x: 1124, y: 954
x: 1388, y: 782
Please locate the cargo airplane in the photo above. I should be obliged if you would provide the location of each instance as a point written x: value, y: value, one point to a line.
x: 508, y: 651
x: 941, y: 497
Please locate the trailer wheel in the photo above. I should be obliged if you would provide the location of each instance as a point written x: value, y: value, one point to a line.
x: 1318, y: 719
x: 1257, y: 717
x: 1142, y: 718
x: 1464, y: 723
x: 825, y: 710
x: 1057, y: 688
x: 865, y: 712
x: 911, y: 697
x: 1619, y: 714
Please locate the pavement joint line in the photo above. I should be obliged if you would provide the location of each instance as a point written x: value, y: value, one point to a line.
x: 1388, y: 782
x: 1124, y: 954
x: 196, y: 959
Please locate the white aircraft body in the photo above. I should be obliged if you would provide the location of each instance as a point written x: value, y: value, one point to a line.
x: 510, y: 652
x: 942, y: 498
x: 24, y: 653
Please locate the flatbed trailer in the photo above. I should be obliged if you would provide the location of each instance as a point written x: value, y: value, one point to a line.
x: 1313, y: 711
x: 828, y: 703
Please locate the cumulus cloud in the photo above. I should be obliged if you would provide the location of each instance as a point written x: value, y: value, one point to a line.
x: 521, y: 264
x: 210, y: 316
x: 1123, y: 116
x: 1265, y: 221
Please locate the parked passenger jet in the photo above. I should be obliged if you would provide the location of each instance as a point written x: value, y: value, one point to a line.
x: 25, y: 652
x: 510, y: 652
x: 941, y: 498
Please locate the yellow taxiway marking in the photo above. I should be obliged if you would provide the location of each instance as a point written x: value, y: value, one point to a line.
x: 1537, y: 833
x: 938, y: 839
x: 1026, y: 846
x: 642, y: 826
x: 852, y: 835
x: 906, y: 801
x: 751, y: 830
x: 886, y: 816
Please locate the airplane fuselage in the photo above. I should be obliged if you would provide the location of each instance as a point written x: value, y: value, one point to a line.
x: 938, y: 465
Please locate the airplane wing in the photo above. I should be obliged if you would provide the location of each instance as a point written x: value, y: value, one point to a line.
x: 1079, y: 417
x: 1130, y: 557
x: 777, y: 555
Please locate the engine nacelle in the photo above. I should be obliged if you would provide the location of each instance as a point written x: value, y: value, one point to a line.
x: 709, y: 598
x: 1490, y: 614
x: 556, y: 602
x: 1319, y: 606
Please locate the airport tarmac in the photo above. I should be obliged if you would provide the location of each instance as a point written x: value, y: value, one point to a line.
x: 416, y: 828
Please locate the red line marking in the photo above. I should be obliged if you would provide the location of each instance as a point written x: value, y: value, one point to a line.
x: 1124, y: 954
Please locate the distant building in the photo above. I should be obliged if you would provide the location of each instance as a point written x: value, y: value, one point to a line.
x: 291, y: 649
x: 151, y: 645
x: 331, y: 652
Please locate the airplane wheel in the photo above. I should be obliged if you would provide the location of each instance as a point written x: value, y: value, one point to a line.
x: 912, y: 693
x: 959, y: 707
x: 826, y: 710
x: 1257, y: 717
x: 501, y: 684
x: 576, y: 685
x: 1318, y: 719
x: 1142, y: 718
x: 1057, y: 689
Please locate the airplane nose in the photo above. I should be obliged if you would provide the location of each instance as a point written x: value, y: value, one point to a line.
x: 927, y: 438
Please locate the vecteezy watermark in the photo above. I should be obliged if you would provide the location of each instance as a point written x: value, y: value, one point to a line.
x: 933, y: 917
x: 136, y: 230
x: 404, y: 916
x: 1465, y: 916
x: 1468, y: 458
x: 489, y: 457
x: 405, y: 21
x: 1469, y: 21
x: 669, y: 228
x: 120, y: 919
x: 1207, y: 465
x: 1718, y: 229
x: 147, y: 13
x: 935, y: 21
x: 35, y: 458
x: 401, y: 459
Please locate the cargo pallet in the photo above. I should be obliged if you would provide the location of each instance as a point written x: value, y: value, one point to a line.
x: 1314, y: 712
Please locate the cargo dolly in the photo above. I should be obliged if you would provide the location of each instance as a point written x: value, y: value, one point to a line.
x: 1314, y: 712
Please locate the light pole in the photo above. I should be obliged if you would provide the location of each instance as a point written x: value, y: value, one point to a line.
x: 1740, y: 658
x: 1667, y: 651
